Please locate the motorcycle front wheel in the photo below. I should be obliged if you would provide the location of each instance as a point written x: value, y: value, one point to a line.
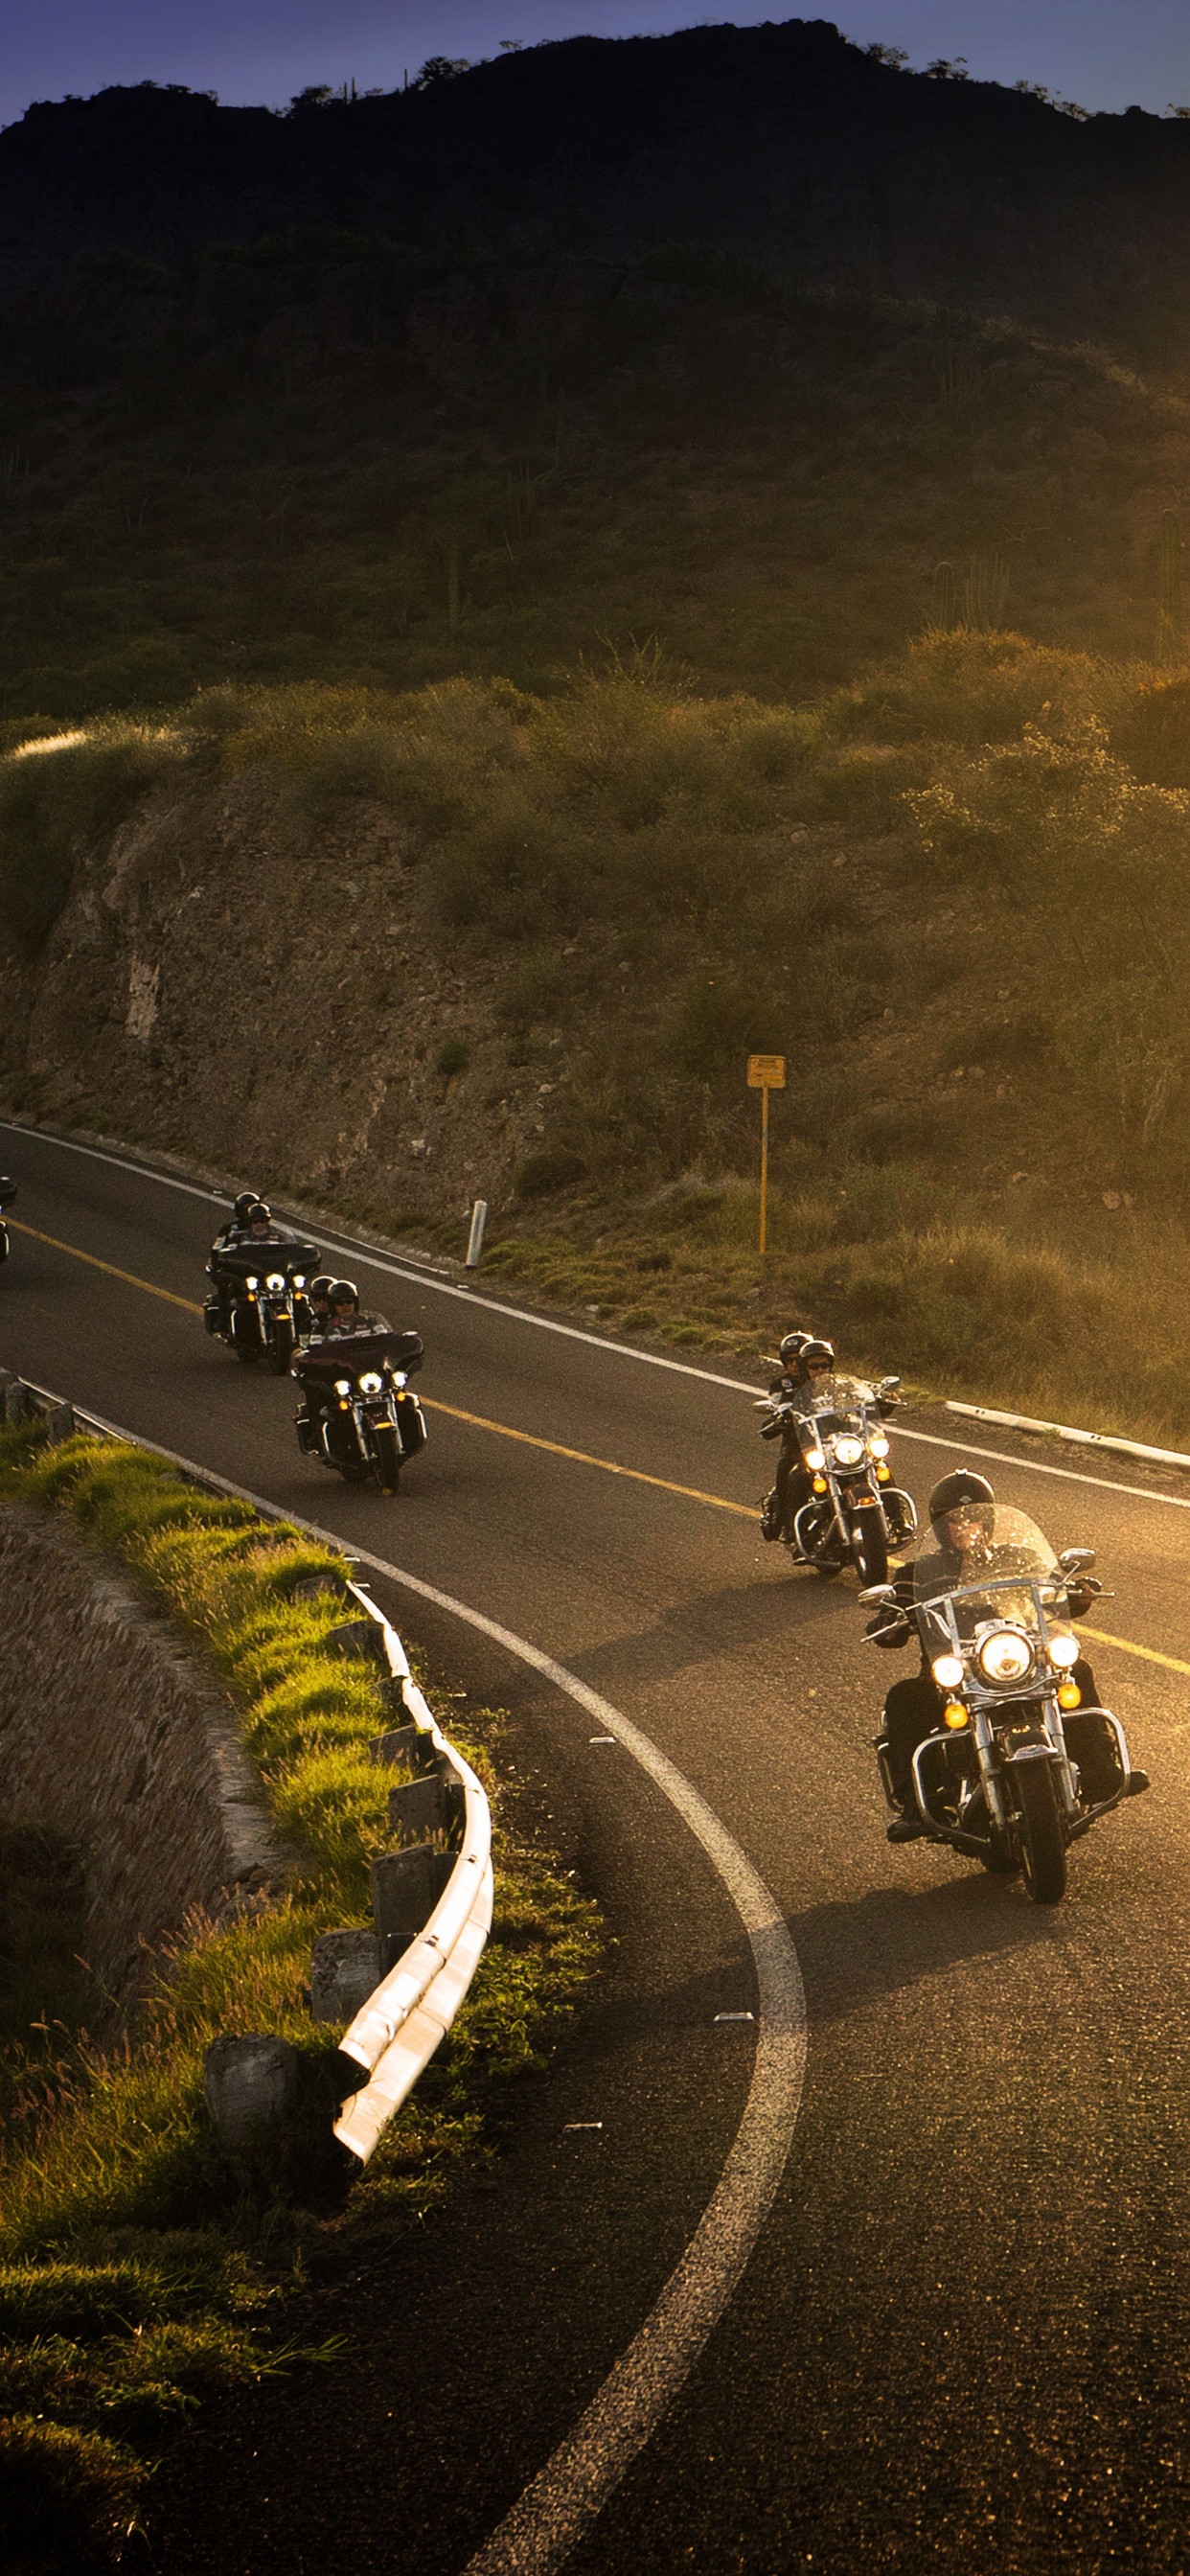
x: 388, y: 1456
x: 869, y: 1548
x: 1043, y: 1844
x: 281, y: 1346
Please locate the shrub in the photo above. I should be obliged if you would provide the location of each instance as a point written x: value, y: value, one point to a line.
x: 555, y: 1168
x: 453, y: 1056
x: 57, y: 796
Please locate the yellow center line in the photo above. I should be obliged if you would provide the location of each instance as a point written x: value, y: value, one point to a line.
x: 478, y: 1421
x: 1148, y: 1654
x: 581, y: 1457
x: 128, y: 1276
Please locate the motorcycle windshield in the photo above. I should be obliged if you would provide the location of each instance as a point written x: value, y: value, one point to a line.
x: 259, y: 1260
x: 841, y: 1395
x: 988, y: 1567
x: 352, y: 1354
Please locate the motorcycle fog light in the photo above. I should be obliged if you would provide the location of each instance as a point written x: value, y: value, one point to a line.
x: 882, y: 1474
x: 814, y: 1458
x: 274, y: 1281
x: 1069, y: 1695
x: 849, y: 1451
x: 1005, y: 1656
x: 1063, y: 1651
x: 372, y: 1384
x: 342, y: 1386
x: 820, y: 1484
x: 299, y: 1279
x: 947, y: 1671
x: 954, y: 1713
x: 878, y: 1445
x: 251, y: 1283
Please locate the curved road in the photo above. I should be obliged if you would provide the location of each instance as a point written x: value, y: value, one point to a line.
x: 962, y: 2340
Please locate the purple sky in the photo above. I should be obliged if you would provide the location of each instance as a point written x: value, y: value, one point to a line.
x: 1105, y: 53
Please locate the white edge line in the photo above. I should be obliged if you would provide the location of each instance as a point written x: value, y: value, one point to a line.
x: 575, y: 1333
x: 549, y: 2518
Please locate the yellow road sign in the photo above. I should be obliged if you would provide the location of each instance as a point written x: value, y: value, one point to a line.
x: 766, y: 1073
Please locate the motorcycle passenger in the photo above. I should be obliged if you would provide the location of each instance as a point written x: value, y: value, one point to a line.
x: 318, y: 1299
x: 962, y: 1512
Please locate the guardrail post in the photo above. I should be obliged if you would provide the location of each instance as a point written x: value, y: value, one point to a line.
x: 250, y: 2083
x: 406, y: 1886
x: 345, y: 1968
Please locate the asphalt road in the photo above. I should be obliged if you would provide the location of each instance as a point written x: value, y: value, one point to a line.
x: 962, y: 2338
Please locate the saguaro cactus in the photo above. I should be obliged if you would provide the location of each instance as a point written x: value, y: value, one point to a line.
x: 944, y: 597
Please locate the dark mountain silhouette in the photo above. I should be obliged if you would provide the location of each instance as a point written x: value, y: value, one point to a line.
x: 786, y: 143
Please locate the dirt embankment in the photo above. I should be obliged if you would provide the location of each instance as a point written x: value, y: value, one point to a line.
x: 112, y: 1735
x: 275, y: 1000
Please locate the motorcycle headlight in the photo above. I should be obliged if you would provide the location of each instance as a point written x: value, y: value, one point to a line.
x: 849, y: 1450
x: 947, y: 1671
x: 1063, y: 1650
x: 342, y: 1386
x: 878, y: 1444
x: 815, y: 1459
x: 251, y: 1283
x: 372, y: 1383
x: 1005, y: 1656
x: 275, y: 1281
x: 299, y: 1279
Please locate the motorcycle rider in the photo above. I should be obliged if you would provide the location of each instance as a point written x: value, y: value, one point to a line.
x: 807, y: 1364
x: 809, y: 1368
x: 962, y: 1511
x: 346, y: 1315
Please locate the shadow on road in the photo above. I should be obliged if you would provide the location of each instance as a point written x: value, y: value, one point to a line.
x: 854, y: 1950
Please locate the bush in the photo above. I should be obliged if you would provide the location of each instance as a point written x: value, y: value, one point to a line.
x: 454, y: 1055
x: 555, y: 1168
x: 65, y: 2496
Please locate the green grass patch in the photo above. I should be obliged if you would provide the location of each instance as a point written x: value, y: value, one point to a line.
x: 140, y: 2268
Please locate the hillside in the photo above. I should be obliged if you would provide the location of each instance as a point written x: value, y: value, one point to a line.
x: 393, y: 954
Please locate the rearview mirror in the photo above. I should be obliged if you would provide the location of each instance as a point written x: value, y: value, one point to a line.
x: 887, y: 1384
x: 878, y: 1593
x: 1077, y: 1560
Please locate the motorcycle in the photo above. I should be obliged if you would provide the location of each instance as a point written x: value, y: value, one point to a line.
x: 258, y: 1305
x: 8, y: 1191
x: 855, y: 1513
x: 1019, y: 1767
x: 358, y: 1414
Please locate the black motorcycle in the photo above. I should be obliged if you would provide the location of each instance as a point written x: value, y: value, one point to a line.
x: 258, y: 1304
x: 358, y: 1414
x: 1019, y: 1766
x: 8, y: 1191
x: 855, y: 1513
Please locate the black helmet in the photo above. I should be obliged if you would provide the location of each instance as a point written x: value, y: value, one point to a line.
x: 812, y: 1349
x: 342, y: 1292
x: 259, y: 1213
x: 247, y: 1200
x: 961, y: 1486
x: 793, y: 1346
x: 319, y: 1290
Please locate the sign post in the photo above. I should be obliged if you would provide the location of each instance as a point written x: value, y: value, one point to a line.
x: 765, y: 1073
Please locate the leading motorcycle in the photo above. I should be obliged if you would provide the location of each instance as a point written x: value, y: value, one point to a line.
x: 855, y: 1514
x: 1019, y: 1767
x: 358, y: 1414
x: 258, y: 1305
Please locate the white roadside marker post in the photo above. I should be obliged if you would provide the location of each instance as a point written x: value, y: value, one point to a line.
x: 479, y: 1218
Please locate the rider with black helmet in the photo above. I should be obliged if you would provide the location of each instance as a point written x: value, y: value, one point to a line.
x: 318, y: 1299
x: 962, y: 1512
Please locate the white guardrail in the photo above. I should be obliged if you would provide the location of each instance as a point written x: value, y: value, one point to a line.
x: 396, y: 2031
x: 1065, y: 1431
